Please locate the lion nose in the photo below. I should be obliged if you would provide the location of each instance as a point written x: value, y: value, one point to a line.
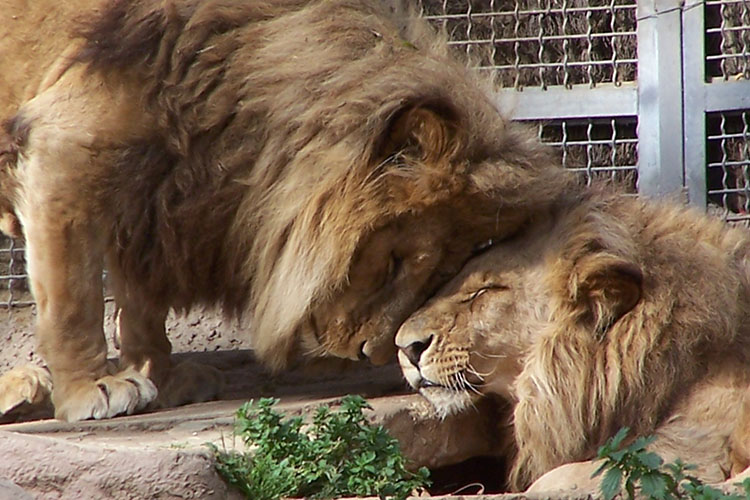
x: 414, y: 350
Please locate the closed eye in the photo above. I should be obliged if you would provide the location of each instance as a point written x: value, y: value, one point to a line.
x: 477, y: 293
x: 394, y: 266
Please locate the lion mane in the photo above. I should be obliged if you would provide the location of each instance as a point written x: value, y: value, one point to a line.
x: 316, y: 167
x: 609, y: 312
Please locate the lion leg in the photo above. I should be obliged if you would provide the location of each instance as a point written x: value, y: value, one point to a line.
x: 739, y: 440
x: 190, y: 382
x: 144, y: 347
x: 68, y: 291
x: 64, y: 250
x: 24, y: 388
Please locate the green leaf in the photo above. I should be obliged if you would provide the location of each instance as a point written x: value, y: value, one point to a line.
x: 650, y: 460
x: 654, y: 486
x: 604, y: 465
x: 641, y: 443
x: 611, y: 483
x: 618, y: 456
x: 613, y: 443
x: 630, y: 488
x: 618, y: 438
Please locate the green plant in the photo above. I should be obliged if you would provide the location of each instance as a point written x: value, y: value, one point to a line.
x: 337, y: 454
x: 638, y: 467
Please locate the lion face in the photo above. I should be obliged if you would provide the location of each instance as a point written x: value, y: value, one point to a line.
x: 393, y: 273
x: 471, y: 338
x: 475, y: 336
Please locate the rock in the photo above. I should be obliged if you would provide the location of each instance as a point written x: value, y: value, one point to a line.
x: 568, y: 481
x: 11, y: 491
x: 53, y: 468
x: 429, y: 441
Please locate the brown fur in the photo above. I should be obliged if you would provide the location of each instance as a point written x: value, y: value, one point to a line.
x: 610, y: 311
x: 315, y: 167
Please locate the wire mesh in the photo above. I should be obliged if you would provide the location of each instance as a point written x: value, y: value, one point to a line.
x: 727, y: 39
x: 14, y: 290
x: 541, y: 43
x: 596, y: 148
x: 729, y: 164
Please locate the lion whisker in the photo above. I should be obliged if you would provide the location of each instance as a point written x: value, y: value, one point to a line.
x: 464, y: 383
x: 318, y: 350
x: 490, y: 356
x: 476, y: 373
x: 379, y: 170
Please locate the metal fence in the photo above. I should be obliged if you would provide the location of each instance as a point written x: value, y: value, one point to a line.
x: 654, y: 93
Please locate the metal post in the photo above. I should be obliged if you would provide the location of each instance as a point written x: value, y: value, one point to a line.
x: 660, y: 105
x: 694, y: 83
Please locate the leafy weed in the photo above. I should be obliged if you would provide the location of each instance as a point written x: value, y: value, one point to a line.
x: 637, y: 467
x: 338, y: 454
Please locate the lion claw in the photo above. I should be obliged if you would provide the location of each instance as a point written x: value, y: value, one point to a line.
x: 124, y: 393
x: 24, y: 388
x: 190, y: 382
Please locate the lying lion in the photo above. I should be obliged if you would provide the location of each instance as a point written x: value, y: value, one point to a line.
x: 607, y: 312
x: 317, y: 168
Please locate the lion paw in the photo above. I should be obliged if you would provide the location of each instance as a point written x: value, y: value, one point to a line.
x: 190, y: 382
x: 24, y: 389
x: 123, y: 393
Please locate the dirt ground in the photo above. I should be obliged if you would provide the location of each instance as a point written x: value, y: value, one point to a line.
x: 206, y: 336
x: 200, y: 331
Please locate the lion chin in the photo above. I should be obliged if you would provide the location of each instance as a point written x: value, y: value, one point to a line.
x: 447, y: 401
x: 315, y: 168
x: 608, y: 312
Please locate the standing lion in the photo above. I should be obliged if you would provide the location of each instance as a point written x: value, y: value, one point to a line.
x: 317, y: 168
x: 608, y: 312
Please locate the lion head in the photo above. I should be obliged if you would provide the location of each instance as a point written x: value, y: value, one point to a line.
x: 600, y: 315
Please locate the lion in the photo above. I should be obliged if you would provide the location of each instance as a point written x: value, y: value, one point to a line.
x: 315, y: 168
x: 609, y: 311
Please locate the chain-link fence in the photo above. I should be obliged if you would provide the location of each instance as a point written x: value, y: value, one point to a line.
x: 543, y: 44
x: 654, y: 94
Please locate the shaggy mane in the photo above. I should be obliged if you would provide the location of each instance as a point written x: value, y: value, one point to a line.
x: 577, y: 387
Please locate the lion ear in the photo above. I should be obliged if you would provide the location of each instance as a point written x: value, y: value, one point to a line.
x: 423, y: 132
x: 604, y: 288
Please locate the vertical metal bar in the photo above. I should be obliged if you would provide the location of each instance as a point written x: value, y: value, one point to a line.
x: 694, y: 85
x: 589, y: 153
x: 725, y: 45
x: 745, y: 162
x: 613, y: 41
x: 516, y: 46
x: 540, y: 55
x: 565, y: 46
x: 660, y: 97
x: 727, y: 181
x: 613, y: 149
